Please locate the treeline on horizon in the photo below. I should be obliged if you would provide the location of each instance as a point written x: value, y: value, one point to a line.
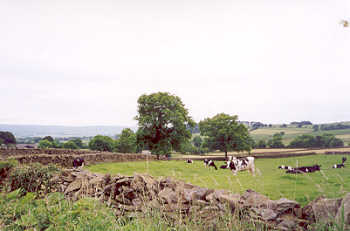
x: 165, y: 126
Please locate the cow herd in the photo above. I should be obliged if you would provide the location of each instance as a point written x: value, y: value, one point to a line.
x: 236, y: 164
x: 308, y: 169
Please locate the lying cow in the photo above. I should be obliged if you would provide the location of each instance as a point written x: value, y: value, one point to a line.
x: 285, y: 167
x: 241, y: 164
x: 340, y: 165
x: 208, y: 163
x: 224, y: 166
x: 78, y: 162
x: 306, y: 169
x: 189, y: 161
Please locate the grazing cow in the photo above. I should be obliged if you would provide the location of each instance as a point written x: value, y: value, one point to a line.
x: 340, y: 165
x: 241, y: 163
x: 305, y: 169
x: 210, y: 163
x: 189, y: 161
x: 78, y: 162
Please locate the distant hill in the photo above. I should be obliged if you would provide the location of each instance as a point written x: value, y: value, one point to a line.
x: 61, y: 131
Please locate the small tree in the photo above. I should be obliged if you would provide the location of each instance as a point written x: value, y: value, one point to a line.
x: 70, y: 145
x: 261, y: 144
x: 163, y: 122
x: 225, y: 133
x: 101, y: 143
x: 126, y: 142
x: 44, y: 144
x: 78, y: 142
x: 276, y: 141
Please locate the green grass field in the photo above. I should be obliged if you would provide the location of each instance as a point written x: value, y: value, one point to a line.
x: 292, y: 132
x: 269, y: 180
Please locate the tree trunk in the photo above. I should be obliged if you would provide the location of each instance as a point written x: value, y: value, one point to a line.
x: 225, y: 155
x: 157, y: 156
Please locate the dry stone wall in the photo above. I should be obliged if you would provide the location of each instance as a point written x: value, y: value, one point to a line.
x: 65, y: 157
x: 138, y: 193
x: 51, y: 151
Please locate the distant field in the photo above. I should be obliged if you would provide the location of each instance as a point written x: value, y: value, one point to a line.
x: 269, y: 180
x: 292, y: 132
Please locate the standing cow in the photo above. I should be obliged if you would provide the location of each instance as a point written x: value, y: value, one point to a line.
x: 78, y: 162
x: 210, y: 163
x: 241, y: 164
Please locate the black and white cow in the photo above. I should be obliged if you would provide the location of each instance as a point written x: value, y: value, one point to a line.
x: 208, y: 163
x: 78, y: 162
x: 241, y: 164
x: 224, y: 166
x: 285, y: 167
x: 189, y: 161
x: 340, y: 165
x: 305, y: 169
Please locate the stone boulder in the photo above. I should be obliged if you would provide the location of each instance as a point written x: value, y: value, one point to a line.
x: 343, y: 213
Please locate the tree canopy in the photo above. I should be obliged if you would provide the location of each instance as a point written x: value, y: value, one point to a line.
x: 126, y: 142
x: 45, y: 144
x: 310, y: 141
x: 224, y: 133
x: 70, y: 145
x: 48, y: 138
x: 276, y: 141
x: 78, y: 142
x: 101, y: 143
x: 7, y: 138
x: 163, y: 122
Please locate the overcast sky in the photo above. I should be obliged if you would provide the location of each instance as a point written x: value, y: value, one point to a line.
x: 74, y: 62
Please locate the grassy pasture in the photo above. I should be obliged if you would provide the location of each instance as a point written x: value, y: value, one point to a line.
x: 269, y: 180
x: 291, y: 132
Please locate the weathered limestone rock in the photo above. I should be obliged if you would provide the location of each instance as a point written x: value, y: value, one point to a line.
x: 343, y: 213
x: 75, y: 185
x: 167, y: 195
x: 253, y: 199
x: 264, y: 214
x: 284, y: 205
x: 195, y: 193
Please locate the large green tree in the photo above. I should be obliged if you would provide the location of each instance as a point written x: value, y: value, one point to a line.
x: 163, y: 122
x: 7, y: 138
x: 101, y: 143
x: 126, y: 142
x: 224, y: 133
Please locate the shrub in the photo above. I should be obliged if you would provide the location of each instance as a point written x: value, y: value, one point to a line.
x: 70, y: 145
x: 32, y: 178
x: 5, y: 168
